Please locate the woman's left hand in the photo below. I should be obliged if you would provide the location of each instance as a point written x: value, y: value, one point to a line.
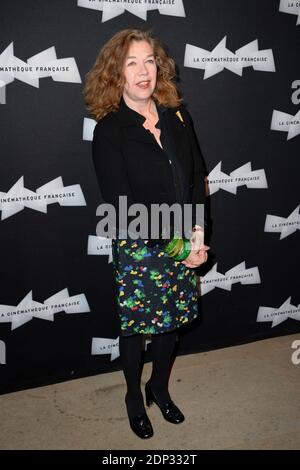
x: 198, y: 254
x: 197, y: 240
x: 196, y: 258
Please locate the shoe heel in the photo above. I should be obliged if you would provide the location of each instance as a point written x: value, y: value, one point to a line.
x: 149, y: 396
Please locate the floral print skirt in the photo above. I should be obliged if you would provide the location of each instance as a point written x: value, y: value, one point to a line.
x: 154, y: 293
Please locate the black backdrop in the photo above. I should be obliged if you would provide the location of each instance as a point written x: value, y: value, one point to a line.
x: 44, y: 248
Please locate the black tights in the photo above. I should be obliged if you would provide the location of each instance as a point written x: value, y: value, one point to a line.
x: 162, y: 348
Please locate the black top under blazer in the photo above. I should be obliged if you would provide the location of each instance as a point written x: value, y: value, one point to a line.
x: 129, y: 161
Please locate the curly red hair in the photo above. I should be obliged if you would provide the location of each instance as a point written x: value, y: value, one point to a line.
x: 104, y: 83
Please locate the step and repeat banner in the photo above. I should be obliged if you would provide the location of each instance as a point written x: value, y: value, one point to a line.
x: 238, y: 65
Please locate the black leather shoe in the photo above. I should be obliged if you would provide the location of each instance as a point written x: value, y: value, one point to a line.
x: 169, y: 410
x: 141, y: 426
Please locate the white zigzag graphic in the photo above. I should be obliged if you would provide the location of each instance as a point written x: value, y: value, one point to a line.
x: 18, y: 197
x: 279, y: 315
x: 242, y: 176
x: 2, y: 352
x: 103, y: 346
x: 100, y: 246
x: 111, y: 10
x: 286, y: 123
x: 28, y: 308
x: 238, y: 273
x: 284, y: 226
x: 44, y: 64
x: 291, y: 7
x: 221, y: 58
x: 88, y: 128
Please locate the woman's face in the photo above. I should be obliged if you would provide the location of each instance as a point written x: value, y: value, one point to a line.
x: 140, y: 71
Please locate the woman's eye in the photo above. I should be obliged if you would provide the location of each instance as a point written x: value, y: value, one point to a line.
x: 149, y: 60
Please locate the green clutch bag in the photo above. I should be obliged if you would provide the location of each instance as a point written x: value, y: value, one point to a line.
x: 178, y: 249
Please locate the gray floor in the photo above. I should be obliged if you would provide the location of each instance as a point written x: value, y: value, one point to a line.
x: 243, y: 397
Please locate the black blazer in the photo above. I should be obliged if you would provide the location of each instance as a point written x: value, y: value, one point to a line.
x: 129, y: 161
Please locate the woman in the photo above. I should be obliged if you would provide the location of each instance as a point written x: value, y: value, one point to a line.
x: 144, y: 148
